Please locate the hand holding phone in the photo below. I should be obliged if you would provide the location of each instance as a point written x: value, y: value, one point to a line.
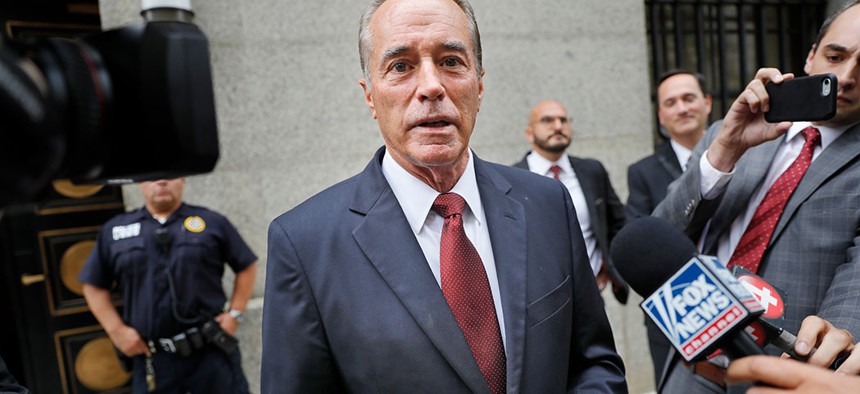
x: 811, y: 98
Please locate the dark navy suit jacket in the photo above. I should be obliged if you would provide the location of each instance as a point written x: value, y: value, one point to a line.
x: 352, y: 306
x: 605, y: 209
x: 648, y: 180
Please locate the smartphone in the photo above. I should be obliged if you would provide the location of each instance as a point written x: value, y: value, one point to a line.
x: 809, y: 98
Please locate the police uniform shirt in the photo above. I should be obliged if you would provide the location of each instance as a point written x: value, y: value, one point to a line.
x: 193, y: 246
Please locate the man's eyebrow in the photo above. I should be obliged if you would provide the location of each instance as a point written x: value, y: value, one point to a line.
x: 836, y: 47
x: 455, y: 46
x: 394, y: 52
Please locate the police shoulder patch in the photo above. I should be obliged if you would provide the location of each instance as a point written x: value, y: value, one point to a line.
x: 195, y: 224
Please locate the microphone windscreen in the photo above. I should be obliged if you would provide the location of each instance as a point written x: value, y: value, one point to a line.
x: 647, y: 251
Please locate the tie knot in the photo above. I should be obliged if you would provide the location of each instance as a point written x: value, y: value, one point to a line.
x: 449, y: 204
x: 812, y: 135
x: 555, y: 170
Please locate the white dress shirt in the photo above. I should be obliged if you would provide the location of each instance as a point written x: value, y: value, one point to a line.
x: 416, y: 199
x: 714, y: 181
x: 540, y: 165
x: 682, y: 153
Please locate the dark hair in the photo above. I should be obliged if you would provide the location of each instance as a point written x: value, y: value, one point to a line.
x: 678, y: 71
x: 825, y: 27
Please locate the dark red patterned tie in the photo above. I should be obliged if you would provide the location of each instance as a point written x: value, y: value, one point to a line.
x: 555, y: 169
x: 467, y: 290
x: 751, y: 247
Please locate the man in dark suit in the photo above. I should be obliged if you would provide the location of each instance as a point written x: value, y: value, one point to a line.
x: 782, y: 199
x: 600, y: 212
x: 683, y: 107
x: 432, y: 271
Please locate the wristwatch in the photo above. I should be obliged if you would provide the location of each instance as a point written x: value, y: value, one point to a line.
x: 236, y: 314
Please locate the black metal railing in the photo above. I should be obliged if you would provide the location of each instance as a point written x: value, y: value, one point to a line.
x: 728, y: 40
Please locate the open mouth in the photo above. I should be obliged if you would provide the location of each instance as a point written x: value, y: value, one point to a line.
x: 438, y: 123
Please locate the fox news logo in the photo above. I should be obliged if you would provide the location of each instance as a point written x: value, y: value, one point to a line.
x: 693, y: 309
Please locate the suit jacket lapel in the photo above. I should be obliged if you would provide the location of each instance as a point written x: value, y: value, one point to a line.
x: 524, y: 164
x: 507, y: 227
x: 668, y: 160
x: 401, y: 263
x: 839, y: 153
x: 749, y: 174
x: 589, y: 190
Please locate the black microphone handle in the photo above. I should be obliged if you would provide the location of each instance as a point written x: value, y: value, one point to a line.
x: 741, y: 345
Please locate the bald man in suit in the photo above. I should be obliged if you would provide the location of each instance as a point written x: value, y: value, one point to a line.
x: 598, y: 208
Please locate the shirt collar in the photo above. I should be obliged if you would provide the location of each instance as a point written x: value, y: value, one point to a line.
x: 828, y: 134
x: 681, y: 152
x: 540, y: 165
x: 182, y: 211
x: 416, y: 197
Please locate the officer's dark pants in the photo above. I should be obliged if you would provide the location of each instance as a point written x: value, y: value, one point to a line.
x: 208, y: 370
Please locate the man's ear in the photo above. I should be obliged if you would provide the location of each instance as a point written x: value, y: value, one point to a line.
x: 530, y: 135
x: 368, y: 99
x: 808, y: 65
x: 481, y: 87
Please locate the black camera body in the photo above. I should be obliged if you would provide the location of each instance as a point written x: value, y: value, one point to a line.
x: 120, y: 106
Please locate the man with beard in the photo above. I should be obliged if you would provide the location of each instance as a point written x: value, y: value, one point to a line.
x: 600, y: 212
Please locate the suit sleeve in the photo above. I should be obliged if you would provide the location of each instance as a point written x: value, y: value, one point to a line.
x: 594, y: 365
x: 8, y: 384
x: 684, y: 206
x: 639, y: 202
x: 615, y: 216
x: 841, y: 304
x: 295, y: 352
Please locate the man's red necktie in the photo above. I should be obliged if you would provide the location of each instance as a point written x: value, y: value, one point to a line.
x: 756, y: 237
x: 555, y: 169
x: 467, y: 290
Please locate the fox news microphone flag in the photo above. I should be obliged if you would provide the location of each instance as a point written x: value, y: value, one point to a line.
x: 703, y: 307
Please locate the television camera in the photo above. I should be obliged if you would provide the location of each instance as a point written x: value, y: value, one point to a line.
x: 125, y: 105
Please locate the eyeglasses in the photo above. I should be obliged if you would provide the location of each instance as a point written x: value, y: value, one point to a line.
x: 550, y: 120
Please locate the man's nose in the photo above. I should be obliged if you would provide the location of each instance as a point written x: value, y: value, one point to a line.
x: 847, y: 74
x: 430, y: 85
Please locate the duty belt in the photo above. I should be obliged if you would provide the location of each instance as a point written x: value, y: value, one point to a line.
x: 182, y: 344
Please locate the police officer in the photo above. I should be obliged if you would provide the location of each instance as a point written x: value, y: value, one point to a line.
x: 167, y: 259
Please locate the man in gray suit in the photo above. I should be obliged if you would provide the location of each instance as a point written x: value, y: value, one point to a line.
x: 600, y: 212
x: 808, y: 247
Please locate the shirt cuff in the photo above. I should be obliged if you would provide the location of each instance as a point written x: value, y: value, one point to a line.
x: 713, y: 181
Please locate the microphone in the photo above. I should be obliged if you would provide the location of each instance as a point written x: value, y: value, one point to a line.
x: 648, y: 251
x: 770, y: 326
x: 694, y: 300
